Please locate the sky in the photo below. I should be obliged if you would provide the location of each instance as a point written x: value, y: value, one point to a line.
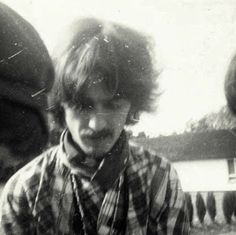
x: 195, y: 41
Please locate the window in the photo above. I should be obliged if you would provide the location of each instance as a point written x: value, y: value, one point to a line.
x: 232, y: 168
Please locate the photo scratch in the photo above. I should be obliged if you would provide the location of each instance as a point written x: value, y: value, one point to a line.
x: 17, y: 53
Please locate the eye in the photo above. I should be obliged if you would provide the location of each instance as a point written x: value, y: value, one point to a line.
x: 86, y: 106
x: 113, y: 105
x: 83, y: 107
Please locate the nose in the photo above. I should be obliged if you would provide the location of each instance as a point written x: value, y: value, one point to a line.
x: 97, y: 121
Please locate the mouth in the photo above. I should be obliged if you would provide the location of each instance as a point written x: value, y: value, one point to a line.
x: 99, y: 136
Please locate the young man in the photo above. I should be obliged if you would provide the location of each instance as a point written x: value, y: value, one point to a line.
x: 95, y: 181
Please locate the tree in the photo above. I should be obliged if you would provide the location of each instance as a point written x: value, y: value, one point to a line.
x: 211, y: 205
x: 201, y: 208
x: 223, y: 119
x: 129, y: 133
x: 189, y: 207
x: 141, y: 135
x: 229, y: 205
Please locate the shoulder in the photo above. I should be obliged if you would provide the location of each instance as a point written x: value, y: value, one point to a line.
x: 149, y: 170
x: 147, y: 158
x: 28, y: 177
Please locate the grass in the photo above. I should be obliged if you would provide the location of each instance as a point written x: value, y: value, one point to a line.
x: 214, y: 229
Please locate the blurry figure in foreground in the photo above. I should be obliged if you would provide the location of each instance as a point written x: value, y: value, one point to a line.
x: 26, y: 75
x: 95, y: 181
x: 230, y: 86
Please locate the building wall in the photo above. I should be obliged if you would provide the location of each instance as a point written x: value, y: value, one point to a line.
x: 204, y: 175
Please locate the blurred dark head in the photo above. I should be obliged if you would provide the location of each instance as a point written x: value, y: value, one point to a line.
x: 230, y: 85
x: 26, y: 75
x: 94, y: 51
x: 23, y: 129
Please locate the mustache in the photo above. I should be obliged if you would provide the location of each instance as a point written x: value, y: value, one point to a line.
x: 97, y: 134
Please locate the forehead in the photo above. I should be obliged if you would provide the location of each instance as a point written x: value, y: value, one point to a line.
x: 97, y: 91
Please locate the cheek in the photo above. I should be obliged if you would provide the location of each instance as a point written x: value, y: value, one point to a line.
x: 76, y: 122
x: 120, y: 118
x: 70, y: 120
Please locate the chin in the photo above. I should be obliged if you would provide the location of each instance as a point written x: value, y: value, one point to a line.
x: 91, y: 152
x: 97, y: 149
x: 97, y: 153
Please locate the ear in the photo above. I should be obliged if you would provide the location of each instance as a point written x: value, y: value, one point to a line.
x: 132, y: 117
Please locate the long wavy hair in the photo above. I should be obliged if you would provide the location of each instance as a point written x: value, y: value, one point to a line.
x: 95, y: 50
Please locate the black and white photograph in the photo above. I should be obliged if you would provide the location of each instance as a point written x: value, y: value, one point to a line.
x: 117, y: 117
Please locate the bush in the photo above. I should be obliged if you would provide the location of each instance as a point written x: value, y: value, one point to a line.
x: 211, y: 205
x: 189, y: 205
x: 235, y: 212
x: 201, y: 208
x: 229, y: 204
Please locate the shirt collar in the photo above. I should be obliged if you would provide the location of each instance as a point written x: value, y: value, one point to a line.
x: 105, y: 171
x: 73, y: 152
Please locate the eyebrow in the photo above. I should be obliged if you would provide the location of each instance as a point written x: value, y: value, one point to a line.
x: 88, y: 100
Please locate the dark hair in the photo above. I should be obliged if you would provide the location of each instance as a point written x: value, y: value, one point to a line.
x: 95, y: 50
x: 230, y: 85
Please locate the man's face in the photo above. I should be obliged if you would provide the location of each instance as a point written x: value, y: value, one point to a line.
x: 96, y: 124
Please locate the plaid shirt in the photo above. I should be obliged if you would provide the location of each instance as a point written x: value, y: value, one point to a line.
x: 39, y: 199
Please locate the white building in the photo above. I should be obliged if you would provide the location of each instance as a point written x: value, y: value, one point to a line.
x: 205, y: 161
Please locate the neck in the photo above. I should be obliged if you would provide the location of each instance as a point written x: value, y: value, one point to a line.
x: 78, y: 157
